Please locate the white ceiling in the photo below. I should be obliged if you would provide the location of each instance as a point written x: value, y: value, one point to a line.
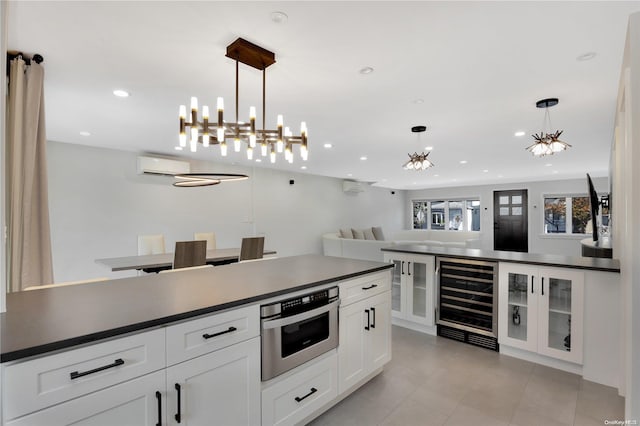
x: 479, y: 67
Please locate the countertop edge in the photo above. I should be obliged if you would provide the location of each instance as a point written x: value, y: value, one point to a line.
x: 159, y: 322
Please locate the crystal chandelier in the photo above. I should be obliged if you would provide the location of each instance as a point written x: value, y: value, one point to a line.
x: 217, y: 132
x: 547, y: 143
x: 418, y: 161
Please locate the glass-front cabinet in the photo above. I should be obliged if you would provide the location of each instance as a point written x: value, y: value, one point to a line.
x: 412, y: 287
x: 541, y: 310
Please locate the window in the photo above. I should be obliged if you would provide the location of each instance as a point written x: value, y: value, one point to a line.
x: 452, y: 215
x: 569, y: 215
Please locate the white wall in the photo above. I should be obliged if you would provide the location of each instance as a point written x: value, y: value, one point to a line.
x: 98, y: 206
x: 538, y: 241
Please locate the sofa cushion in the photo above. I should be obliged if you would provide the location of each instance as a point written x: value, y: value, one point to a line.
x: 358, y: 234
x: 377, y: 233
x: 368, y: 234
x: 346, y: 233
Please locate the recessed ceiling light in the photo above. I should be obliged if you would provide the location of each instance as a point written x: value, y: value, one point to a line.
x: 178, y: 148
x: 279, y: 17
x: 519, y: 133
x: 366, y: 70
x: 121, y: 93
x: 328, y: 145
x: 436, y: 175
x: 586, y: 56
x: 304, y: 167
x: 428, y: 148
x: 555, y: 172
x: 548, y: 165
x: 363, y: 158
x: 349, y: 174
x: 463, y: 161
x: 485, y: 171
x: 258, y: 160
x: 85, y: 134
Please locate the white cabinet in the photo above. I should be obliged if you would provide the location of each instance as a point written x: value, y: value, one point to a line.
x: 541, y: 310
x: 293, y: 398
x: 412, y: 289
x: 138, y: 402
x: 365, y: 339
x: 222, y: 387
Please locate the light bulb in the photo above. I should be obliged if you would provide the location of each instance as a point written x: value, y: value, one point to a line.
x: 183, y: 139
x: 236, y: 145
x: 263, y: 149
x: 223, y: 149
x: 272, y: 155
x: 249, y: 153
x: 183, y: 111
x: 220, y: 134
x: 194, y: 103
x: 220, y: 104
x: 205, y: 139
x: 205, y: 112
x: 252, y: 113
x: 279, y: 145
x: 252, y: 140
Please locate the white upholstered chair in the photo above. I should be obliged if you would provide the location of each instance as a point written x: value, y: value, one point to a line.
x: 209, y: 237
x: 150, y: 244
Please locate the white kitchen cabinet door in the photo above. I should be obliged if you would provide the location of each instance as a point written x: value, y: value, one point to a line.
x: 221, y: 388
x: 138, y: 402
x: 378, y: 345
x: 518, y: 306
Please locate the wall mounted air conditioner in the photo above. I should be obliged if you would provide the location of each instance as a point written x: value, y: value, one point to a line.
x: 351, y: 186
x: 162, y: 166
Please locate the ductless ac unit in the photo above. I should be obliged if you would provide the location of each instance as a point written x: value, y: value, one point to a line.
x: 352, y: 186
x: 162, y: 166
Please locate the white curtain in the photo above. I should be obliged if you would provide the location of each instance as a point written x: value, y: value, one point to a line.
x: 29, y: 237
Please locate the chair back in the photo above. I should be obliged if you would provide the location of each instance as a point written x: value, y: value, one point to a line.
x: 190, y: 253
x: 251, y: 248
x: 209, y: 237
x: 150, y: 244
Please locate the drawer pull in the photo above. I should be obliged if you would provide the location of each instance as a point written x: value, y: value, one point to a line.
x: 209, y: 336
x: 75, y: 374
x: 373, y: 323
x: 313, y: 390
x: 159, y: 398
x: 178, y: 415
x: 370, y: 287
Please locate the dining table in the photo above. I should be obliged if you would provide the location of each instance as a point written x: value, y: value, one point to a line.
x: 161, y: 261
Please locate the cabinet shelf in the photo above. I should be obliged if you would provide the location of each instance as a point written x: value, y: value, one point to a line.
x: 560, y: 311
x: 522, y: 305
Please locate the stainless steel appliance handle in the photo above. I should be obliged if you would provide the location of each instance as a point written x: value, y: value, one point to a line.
x: 275, y: 323
x: 436, y: 314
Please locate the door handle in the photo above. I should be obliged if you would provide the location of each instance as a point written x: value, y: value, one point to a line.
x: 367, y: 327
x: 178, y: 415
x: 543, y: 286
x: 373, y: 314
x: 75, y: 374
x: 402, y: 267
x: 409, y: 268
x: 311, y: 392
x: 209, y: 336
x: 531, y: 284
x: 159, y: 398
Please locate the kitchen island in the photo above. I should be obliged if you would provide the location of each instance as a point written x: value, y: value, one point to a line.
x: 117, y: 348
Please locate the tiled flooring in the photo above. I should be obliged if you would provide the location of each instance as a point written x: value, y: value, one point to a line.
x: 437, y: 381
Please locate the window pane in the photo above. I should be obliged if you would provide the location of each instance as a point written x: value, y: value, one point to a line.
x: 504, y: 211
x: 516, y: 199
x: 437, y: 215
x: 580, y: 214
x: 420, y: 211
x: 504, y: 199
x: 455, y: 216
x: 516, y: 211
x: 555, y: 215
x: 472, y: 220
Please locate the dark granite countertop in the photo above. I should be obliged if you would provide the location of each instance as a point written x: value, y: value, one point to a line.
x: 41, y: 321
x: 590, y: 263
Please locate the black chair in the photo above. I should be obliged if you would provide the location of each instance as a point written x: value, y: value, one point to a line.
x: 190, y: 253
x: 252, y: 248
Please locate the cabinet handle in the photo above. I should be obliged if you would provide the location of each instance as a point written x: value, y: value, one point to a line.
x: 373, y: 323
x: 159, y: 398
x: 311, y: 392
x: 366, y: 327
x: 403, y: 267
x: 370, y: 287
x: 209, y: 336
x: 531, y: 284
x: 543, y: 286
x: 178, y: 415
x: 75, y: 374
x: 409, y: 268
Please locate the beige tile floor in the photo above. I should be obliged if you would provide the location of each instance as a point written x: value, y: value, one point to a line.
x: 437, y: 381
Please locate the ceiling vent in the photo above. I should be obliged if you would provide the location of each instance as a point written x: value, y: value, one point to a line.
x: 351, y: 186
x: 162, y: 166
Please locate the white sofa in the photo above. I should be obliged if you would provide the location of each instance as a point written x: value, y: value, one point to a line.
x: 334, y: 245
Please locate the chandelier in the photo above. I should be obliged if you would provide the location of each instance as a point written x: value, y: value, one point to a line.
x: 418, y: 161
x: 547, y: 143
x: 218, y: 132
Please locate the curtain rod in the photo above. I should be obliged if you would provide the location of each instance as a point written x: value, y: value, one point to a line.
x: 12, y: 54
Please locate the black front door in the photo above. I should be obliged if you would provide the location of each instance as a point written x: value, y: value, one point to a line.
x: 510, y: 226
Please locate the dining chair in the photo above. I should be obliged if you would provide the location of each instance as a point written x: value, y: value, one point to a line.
x: 190, y: 253
x: 150, y: 244
x: 209, y: 237
x: 251, y: 248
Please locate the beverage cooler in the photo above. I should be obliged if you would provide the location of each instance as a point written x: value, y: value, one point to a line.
x: 467, y: 296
